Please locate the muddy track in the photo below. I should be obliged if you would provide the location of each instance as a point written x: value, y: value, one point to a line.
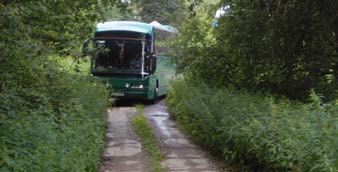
x: 124, y: 151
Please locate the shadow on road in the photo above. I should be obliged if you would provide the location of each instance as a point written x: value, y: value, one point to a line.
x: 131, y: 103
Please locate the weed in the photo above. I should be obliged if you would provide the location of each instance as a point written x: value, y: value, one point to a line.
x: 262, y: 132
x: 50, y: 119
x: 142, y: 128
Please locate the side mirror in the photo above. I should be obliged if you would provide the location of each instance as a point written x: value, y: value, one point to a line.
x: 153, y: 60
x: 85, y: 47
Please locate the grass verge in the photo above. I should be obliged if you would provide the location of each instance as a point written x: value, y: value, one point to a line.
x: 142, y: 128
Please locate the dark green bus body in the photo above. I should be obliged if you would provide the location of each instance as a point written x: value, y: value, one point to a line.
x: 151, y: 75
x: 164, y: 74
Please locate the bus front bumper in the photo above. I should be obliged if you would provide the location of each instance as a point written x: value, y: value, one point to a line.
x: 124, y: 94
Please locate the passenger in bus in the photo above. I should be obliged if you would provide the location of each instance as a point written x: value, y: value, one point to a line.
x: 136, y: 62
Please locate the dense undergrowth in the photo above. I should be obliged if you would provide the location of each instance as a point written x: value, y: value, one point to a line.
x: 51, y: 120
x: 52, y: 115
x: 282, y: 47
x: 259, y: 131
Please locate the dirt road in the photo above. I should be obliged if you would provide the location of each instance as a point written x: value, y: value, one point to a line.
x: 124, y: 151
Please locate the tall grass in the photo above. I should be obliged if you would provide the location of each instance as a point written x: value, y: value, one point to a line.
x: 51, y: 119
x: 259, y: 131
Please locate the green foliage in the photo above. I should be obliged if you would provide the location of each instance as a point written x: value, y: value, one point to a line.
x: 196, y: 51
x: 51, y: 113
x: 115, y: 11
x: 57, y: 26
x: 142, y: 128
x: 166, y: 12
x: 193, y: 51
x: 284, y: 47
x: 53, y: 26
x: 259, y: 131
x: 50, y: 120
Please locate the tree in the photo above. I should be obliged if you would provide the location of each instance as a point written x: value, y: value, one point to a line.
x: 283, y: 47
x: 164, y: 11
x: 287, y: 47
x: 42, y: 104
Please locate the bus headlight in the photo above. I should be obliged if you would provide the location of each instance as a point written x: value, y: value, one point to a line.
x: 140, y: 86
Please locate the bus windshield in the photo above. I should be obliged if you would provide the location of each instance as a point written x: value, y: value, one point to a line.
x: 120, y: 55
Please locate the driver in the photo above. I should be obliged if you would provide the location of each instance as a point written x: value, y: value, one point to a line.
x: 136, y: 62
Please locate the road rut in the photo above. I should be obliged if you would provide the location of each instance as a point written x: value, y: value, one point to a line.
x: 123, y: 149
x: 181, y: 154
x: 124, y: 152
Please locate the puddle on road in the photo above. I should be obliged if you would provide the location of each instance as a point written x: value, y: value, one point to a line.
x: 123, y: 148
x: 163, y: 116
x: 177, y: 142
x: 110, y: 135
x: 159, y: 118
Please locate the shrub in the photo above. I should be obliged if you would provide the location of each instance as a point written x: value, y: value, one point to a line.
x: 260, y: 131
x: 51, y: 120
x: 284, y: 47
x: 51, y: 117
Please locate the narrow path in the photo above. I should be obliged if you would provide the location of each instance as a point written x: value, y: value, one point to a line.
x: 124, y: 151
x: 181, y: 154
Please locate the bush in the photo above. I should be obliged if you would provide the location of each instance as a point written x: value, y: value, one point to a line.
x: 260, y: 131
x: 51, y: 120
x: 284, y: 47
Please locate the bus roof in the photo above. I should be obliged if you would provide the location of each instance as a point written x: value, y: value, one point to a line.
x: 132, y: 26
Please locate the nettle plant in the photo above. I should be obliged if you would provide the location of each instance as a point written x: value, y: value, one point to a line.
x: 259, y: 131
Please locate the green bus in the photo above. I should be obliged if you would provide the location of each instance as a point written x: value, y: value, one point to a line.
x: 133, y: 58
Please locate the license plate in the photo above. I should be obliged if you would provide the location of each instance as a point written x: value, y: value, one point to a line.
x: 117, y: 94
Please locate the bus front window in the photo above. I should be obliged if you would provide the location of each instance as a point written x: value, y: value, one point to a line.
x: 116, y: 56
